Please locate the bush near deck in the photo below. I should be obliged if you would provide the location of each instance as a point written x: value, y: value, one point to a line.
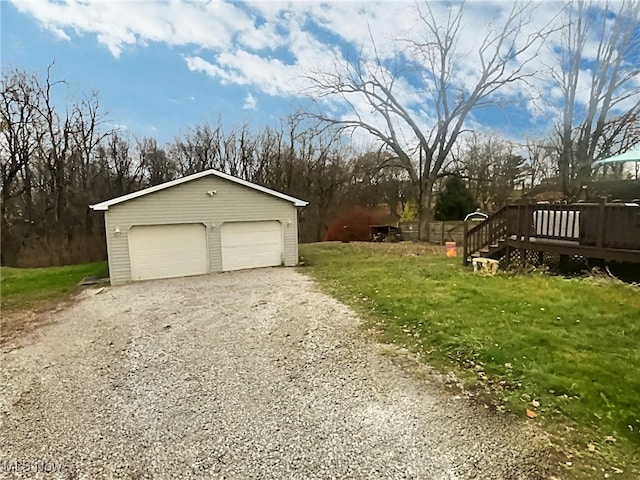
x: 567, y: 349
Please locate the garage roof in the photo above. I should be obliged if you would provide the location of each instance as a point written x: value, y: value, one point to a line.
x: 114, y: 201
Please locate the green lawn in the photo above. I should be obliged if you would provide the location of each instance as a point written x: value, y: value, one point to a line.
x: 566, y: 348
x: 33, y: 288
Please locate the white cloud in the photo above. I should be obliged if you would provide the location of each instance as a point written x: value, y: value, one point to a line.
x: 274, y: 47
x: 118, y: 24
x: 239, y: 38
x: 61, y: 34
x: 261, y: 37
x: 250, y: 102
x: 270, y: 75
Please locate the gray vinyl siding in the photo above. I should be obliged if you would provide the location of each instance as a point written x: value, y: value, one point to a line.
x: 189, y: 203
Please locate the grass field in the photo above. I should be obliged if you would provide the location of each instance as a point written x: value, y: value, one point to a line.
x: 33, y: 288
x: 567, y: 349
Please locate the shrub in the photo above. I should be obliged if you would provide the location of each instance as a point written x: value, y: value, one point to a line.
x: 352, y: 226
x: 409, y: 212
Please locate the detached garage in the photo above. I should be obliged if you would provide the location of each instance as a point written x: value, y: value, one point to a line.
x: 206, y: 222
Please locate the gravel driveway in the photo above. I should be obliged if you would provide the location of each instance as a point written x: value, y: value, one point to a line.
x: 252, y: 374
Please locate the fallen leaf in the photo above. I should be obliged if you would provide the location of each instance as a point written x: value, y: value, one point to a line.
x: 531, y: 413
x: 535, y: 403
x: 591, y: 447
x: 617, y: 470
x: 609, y: 439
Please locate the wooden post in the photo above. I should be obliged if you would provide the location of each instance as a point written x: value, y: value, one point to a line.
x: 465, y: 245
x: 442, y: 234
x: 529, y: 220
x: 517, y: 213
x: 492, y: 233
x: 600, y: 222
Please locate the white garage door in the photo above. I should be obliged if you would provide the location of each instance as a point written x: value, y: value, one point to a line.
x: 251, y: 245
x: 165, y: 251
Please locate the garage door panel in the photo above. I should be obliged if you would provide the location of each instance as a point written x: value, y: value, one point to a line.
x: 251, y: 245
x: 166, y: 251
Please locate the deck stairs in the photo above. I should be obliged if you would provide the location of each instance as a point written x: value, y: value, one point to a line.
x: 489, y: 238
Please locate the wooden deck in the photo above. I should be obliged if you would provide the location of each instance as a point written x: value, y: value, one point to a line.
x: 607, y: 231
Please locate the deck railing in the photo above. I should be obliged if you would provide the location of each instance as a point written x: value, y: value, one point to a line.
x: 600, y: 225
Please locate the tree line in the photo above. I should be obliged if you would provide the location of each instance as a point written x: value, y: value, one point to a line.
x: 56, y: 159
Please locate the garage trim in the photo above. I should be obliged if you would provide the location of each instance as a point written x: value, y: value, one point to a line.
x: 114, y: 201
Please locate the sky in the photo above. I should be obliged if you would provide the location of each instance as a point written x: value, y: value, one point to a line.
x: 160, y: 66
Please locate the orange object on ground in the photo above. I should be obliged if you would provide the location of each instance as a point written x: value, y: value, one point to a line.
x: 450, y: 248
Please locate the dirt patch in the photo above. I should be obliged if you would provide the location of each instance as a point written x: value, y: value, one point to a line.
x: 20, y: 323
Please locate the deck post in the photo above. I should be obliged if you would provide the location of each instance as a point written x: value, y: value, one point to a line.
x: 529, y: 232
x: 465, y: 245
x: 442, y: 240
x: 600, y: 222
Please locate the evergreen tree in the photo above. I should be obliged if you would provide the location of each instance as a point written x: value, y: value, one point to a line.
x: 455, y: 201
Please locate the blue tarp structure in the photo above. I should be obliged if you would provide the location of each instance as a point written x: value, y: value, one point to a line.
x: 630, y: 156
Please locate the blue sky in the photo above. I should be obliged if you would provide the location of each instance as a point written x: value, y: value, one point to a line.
x: 147, y: 89
x: 161, y: 66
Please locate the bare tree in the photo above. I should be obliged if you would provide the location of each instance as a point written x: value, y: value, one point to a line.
x: 199, y: 148
x: 19, y: 112
x: 541, y: 163
x: 620, y: 133
x: 21, y: 134
x: 370, y: 185
x: 49, y: 166
x: 308, y: 163
x: 84, y: 174
x: 597, y: 78
x: 492, y: 168
x: 446, y: 95
x: 117, y: 166
x: 155, y: 165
